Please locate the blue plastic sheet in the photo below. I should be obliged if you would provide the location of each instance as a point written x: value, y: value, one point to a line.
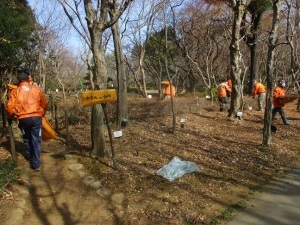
x: 176, y: 168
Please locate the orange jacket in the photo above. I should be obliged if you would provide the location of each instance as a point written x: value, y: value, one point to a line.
x: 258, y: 88
x: 168, y: 88
x: 223, y: 89
x: 278, y: 93
x: 26, y: 101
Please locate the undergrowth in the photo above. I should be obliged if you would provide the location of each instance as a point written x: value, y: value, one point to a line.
x: 8, y: 172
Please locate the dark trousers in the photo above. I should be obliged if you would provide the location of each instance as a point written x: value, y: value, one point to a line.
x: 31, y: 128
x: 223, y: 103
x: 281, y: 113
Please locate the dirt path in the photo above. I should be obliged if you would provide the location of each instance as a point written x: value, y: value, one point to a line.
x: 57, y: 195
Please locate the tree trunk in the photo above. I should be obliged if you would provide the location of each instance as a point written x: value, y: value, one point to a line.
x: 295, y: 58
x: 270, y: 76
x: 253, y: 66
x: 99, y: 146
x: 251, y: 40
x: 3, y: 113
x: 122, y: 104
x: 97, y: 132
x: 96, y: 16
x: 239, y: 7
x: 42, y: 75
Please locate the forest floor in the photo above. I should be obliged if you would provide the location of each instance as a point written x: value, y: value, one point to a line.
x: 233, y: 166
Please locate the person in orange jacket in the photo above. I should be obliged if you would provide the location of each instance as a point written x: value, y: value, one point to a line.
x: 260, y: 90
x: 168, y: 89
x: 279, y: 94
x: 223, y: 92
x: 28, y: 104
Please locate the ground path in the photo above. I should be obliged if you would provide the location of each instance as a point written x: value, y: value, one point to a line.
x: 61, y: 194
x: 58, y: 195
x: 278, y: 204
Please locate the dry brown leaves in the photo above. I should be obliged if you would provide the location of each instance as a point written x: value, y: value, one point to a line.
x: 229, y: 154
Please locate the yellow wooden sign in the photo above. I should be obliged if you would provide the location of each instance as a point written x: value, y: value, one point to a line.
x: 98, y: 96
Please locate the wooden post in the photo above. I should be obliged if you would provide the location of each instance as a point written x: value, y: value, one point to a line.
x: 3, y: 117
x: 12, y: 140
x: 55, y: 117
x: 102, y: 97
x: 51, y: 105
x: 110, y: 136
x: 67, y: 127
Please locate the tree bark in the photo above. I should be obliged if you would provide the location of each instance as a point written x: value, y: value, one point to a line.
x: 122, y: 103
x: 95, y: 28
x: 239, y: 7
x: 270, y: 76
x: 97, y: 132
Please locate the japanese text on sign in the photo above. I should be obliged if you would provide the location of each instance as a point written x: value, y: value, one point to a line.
x: 98, y: 96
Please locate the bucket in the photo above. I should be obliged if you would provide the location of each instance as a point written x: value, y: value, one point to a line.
x: 47, y: 130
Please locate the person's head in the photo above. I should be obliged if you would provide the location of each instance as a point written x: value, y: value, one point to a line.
x: 281, y: 83
x: 23, y: 75
x: 253, y: 81
x: 27, y: 71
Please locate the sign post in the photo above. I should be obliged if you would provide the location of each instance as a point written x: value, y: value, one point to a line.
x: 102, y: 97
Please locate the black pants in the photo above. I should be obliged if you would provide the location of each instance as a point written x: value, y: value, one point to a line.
x: 281, y: 113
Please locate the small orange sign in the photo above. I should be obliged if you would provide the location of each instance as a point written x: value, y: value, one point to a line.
x: 98, y: 96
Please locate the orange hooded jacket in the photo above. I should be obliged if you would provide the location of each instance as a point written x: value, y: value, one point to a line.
x: 26, y: 101
x: 259, y: 88
x: 223, y: 90
x: 278, y: 93
x: 168, y: 88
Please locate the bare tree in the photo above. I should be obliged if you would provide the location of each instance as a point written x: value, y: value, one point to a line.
x: 96, y: 16
x: 204, y: 43
x: 138, y: 30
x: 292, y: 36
x: 239, y: 7
x: 51, y: 29
x: 270, y: 77
x: 250, y: 33
x: 122, y: 103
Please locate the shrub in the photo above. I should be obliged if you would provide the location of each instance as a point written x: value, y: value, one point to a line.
x: 8, y: 172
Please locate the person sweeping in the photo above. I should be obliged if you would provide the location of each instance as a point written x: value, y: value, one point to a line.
x: 260, y: 90
x: 279, y: 94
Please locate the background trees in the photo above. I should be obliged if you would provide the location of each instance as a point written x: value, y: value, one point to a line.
x: 205, y: 35
x: 207, y: 40
x: 17, y: 24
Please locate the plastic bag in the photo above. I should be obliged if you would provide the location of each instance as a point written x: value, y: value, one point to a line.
x: 176, y: 168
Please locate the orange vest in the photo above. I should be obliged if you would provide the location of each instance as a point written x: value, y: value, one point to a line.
x: 277, y: 93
